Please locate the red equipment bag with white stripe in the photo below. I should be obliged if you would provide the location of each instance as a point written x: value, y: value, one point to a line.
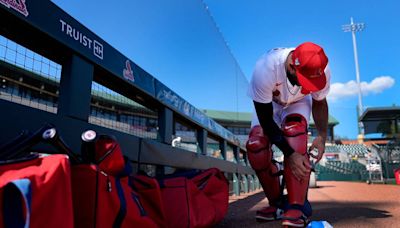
x: 102, y: 196
x: 35, y: 191
x: 191, y: 199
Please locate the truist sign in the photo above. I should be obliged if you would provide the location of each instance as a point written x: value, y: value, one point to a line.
x: 84, y: 40
x: 18, y: 5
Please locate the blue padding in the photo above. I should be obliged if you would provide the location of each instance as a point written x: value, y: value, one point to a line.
x: 16, y: 195
x: 189, y: 174
x: 128, y: 169
x: 122, y: 209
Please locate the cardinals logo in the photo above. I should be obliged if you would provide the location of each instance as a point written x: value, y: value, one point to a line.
x: 19, y: 6
x: 317, y: 74
x: 297, y: 62
x: 128, y: 73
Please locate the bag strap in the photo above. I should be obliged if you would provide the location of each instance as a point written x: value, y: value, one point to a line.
x: 17, y: 194
x: 123, y: 209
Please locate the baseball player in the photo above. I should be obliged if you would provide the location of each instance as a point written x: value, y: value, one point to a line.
x: 287, y: 84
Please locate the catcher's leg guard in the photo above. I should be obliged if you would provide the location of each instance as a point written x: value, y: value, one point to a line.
x: 260, y: 157
x: 295, y: 131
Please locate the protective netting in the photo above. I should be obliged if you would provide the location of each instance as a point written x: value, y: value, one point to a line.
x: 178, y: 42
x: 185, y: 137
x: 28, y: 78
x: 113, y: 110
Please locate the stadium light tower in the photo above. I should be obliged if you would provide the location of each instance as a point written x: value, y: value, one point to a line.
x: 353, y: 28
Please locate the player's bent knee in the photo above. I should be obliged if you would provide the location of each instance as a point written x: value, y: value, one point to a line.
x: 295, y: 130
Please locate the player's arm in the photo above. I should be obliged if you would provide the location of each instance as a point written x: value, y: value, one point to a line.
x: 320, y: 116
x: 270, y: 128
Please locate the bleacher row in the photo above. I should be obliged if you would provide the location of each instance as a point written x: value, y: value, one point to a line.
x: 352, y: 150
x: 337, y: 169
x: 341, y: 171
x: 331, y: 149
x: 345, y: 167
x: 358, y: 150
x: 346, y: 171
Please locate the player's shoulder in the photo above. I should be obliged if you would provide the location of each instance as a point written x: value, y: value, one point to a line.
x: 328, y: 73
x: 268, y: 59
x: 275, y: 56
x: 279, y: 51
x: 276, y: 50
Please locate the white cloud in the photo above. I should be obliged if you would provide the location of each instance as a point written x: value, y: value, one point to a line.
x: 350, y: 89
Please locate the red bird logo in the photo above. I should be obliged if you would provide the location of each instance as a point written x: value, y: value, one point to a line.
x: 127, y: 72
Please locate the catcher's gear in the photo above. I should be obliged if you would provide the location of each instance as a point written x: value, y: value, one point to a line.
x: 260, y: 157
x: 295, y: 130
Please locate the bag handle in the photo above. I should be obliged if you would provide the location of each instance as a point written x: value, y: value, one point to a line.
x: 52, y: 137
x: 17, y: 201
x: 89, y: 139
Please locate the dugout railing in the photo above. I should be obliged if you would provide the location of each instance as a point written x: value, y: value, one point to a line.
x: 84, y: 58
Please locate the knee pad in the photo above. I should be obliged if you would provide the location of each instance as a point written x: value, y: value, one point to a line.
x: 259, y: 149
x: 295, y: 131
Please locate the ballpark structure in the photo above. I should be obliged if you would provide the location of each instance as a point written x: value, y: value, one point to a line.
x: 54, y: 69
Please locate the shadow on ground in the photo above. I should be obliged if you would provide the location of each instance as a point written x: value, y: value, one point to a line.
x: 241, y: 213
x: 326, y: 186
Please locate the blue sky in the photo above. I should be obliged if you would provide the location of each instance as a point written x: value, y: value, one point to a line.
x: 180, y: 44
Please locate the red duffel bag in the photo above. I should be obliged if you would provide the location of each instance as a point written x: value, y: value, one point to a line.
x: 150, y: 195
x: 35, y: 191
x: 191, y: 199
x: 102, y: 196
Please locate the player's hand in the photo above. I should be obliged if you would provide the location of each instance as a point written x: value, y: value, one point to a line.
x: 299, y: 165
x: 318, y: 144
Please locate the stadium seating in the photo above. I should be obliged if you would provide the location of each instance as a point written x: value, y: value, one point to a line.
x: 332, y: 149
x: 354, y: 170
x: 342, y: 171
x: 355, y: 150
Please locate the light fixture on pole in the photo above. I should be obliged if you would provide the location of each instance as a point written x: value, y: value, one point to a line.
x: 353, y: 28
